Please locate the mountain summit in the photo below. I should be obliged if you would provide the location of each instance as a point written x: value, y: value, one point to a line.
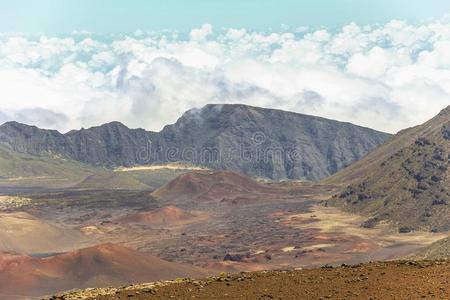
x: 270, y: 143
x: 255, y: 141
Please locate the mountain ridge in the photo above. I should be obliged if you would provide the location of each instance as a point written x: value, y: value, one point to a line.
x: 289, y: 145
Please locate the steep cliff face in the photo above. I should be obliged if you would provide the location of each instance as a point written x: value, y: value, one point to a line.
x: 406, y: 181
x: 255, y: 141
x: 32, y: 140
x: 109, y: 145
x: 269, y: 143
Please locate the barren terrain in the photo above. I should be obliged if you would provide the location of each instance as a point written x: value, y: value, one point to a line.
x: 211, y: 221
x: 384, y: 280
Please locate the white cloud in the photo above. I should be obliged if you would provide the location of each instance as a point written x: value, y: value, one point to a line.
x: 377, y: 61
x: 383, y: 76
x: 236, y: 34
x: 437, y: 58
x: 321, y: 35
x: 199, y: 34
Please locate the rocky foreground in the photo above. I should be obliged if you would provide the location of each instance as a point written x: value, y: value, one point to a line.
x: 381, y: 280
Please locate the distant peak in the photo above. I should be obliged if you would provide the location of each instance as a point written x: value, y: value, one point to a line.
x: 211, y: 111
x: 13, y: 123
x: 110, y: 125
x: 114, y: 124
x: 228, y: 106
x: 16, y: 125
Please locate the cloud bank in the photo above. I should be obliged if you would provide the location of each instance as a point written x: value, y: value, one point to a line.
x: 386, y: 77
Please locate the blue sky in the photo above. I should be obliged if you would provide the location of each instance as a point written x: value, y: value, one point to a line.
x: 120, y: 16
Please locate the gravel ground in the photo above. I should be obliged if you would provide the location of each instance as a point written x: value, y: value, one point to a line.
x: 380, y: 280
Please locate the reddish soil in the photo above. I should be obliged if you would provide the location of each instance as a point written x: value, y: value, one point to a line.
x: 239, y: 224
x: 98, y: 266
x: 208, y: 186
x: 168, y: 215
x: 385, y: 280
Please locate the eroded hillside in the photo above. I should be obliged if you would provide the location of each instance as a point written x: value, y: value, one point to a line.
x: 405, y: 182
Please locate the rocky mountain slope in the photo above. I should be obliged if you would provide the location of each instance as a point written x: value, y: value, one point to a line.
x: 16, y: 167
x: 109, y: 145
x: 255, y: 141
x: 437, y: 250
x: 405, y: 181
x: 269, y: 143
